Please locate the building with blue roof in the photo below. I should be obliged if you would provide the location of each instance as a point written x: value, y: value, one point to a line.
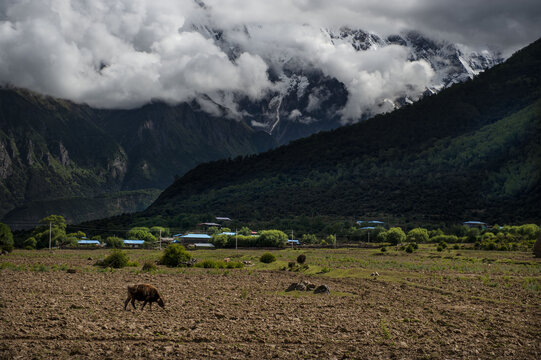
x: 134, y: 243
x: 228, y: 233
x: 370, y: 222
x: 195, y: 238
x: 89, y: 242
x: 478, y: 224
x: 293, y: 242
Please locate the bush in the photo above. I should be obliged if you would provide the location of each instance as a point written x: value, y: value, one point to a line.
x: 175, y: 255
x: 395, y: 236
x: 383, y: 249
x: 309, y: 239
x: 114, y: 242
x: 439, y: 248
x: 149, y: 266
x: 245, y: 231
x: 273, y: 238
x: 409, y: 248
x: 301, y: 258
x: 418, y: 235
x: 30, y: 243
x: 220, y: 241
x: 116, y: 259
x: 6, y: 238
x: 211, y: 264
x: 267, y: 258
x: 331, y: 239
x: 444, y: 238
x: 537, y: 247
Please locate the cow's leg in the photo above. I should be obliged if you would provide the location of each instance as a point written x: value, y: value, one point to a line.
x: 142, y: 307
x: 133, y: 303
x: 127, y: 301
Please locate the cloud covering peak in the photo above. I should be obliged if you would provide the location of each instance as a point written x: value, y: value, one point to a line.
x: 125, y: 53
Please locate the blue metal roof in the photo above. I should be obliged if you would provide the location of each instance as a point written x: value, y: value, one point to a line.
x: 83, y: 242
x: 223, y: 218
x: 196, y: 236
x: 475, y: 222
x: 134, y: 242
x: 291, y: 241
x: 177, y: 235
x: 368, y: 228
x: 370, y: 222
x: 228, y: 233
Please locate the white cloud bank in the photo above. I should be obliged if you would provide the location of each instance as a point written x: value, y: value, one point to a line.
x: 124, y: 53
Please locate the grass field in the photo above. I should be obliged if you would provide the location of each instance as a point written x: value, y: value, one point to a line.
x: 428, y: 304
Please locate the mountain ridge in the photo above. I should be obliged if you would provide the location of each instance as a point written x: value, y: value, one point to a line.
x: 392, y: 141
x: 55, y: 149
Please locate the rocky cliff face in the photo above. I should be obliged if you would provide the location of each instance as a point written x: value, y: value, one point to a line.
x: 52, y: 149
x: 307, y: 99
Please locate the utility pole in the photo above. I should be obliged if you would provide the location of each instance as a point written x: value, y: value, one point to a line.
x: 160, y: 239
x: 236, y: 239
x: 50, y: 234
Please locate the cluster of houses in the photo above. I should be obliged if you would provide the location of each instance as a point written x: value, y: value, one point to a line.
x: 372, y: 224
x: 202, y: 240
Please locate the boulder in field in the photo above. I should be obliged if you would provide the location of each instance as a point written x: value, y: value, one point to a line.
x: 322, y: 289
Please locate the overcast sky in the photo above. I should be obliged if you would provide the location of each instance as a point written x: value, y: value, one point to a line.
x: 123, y: 53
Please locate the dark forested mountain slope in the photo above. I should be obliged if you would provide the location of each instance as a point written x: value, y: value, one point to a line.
x: 471, y: 151
x: 52, y: 150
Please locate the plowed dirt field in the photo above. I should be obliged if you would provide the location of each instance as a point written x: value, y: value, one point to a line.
x: 46, y: 312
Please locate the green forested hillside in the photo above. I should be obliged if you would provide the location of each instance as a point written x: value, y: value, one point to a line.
x: 472, y: 151
x: 73, y: 160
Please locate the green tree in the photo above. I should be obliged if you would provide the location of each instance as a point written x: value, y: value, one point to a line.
x: 155, y: 230
x: 529, y: 231
x: 77, y: 235
x: 331, y: 239
x: 220, y: 241
x: 30, y: 243
x: 55, y: 220
x: 6, y: 238
x: 309, y: 239
x: 141, y: 233
x: 472, y: 235
x: 274, y: 238
x: 245, y: 231
x: 418, y: 235
x: 395, y: 236
x: 213, y: 230
x: 53, y: 224
x: 114, y: 242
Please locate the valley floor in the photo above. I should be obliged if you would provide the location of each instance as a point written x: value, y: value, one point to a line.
x: 454, y: 305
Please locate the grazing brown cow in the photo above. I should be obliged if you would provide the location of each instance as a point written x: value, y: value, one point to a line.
x: 143, y: 292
